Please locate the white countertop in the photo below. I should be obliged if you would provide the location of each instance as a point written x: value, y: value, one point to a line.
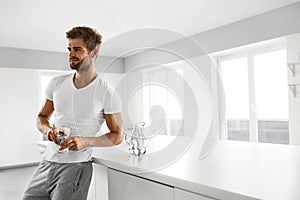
x: 234, y: 170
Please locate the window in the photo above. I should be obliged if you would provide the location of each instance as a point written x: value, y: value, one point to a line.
x: 256, y: 97
x: 161, y: 103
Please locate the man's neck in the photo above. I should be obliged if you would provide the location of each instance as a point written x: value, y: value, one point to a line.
x: 83, y: 78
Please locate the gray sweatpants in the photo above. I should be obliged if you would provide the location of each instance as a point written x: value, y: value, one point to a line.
x: 60, y: 181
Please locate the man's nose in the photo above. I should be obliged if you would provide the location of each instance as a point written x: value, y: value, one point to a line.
x: 71, y: 53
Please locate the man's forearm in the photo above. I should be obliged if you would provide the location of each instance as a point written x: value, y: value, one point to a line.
x: 107, y: 140
x: 43, y: 124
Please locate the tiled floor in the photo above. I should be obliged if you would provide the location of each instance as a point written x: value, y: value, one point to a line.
x: 14, y: 181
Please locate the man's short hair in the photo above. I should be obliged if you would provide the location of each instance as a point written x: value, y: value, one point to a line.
x: 91, y: 38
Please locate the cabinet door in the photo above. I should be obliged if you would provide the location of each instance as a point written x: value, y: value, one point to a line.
x: 99, y: 187
x: 184, y: 195
x: 122, y: 186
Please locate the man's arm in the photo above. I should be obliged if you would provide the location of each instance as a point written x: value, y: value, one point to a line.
x: 42, y: 121
x: 114, y: 137
x: 114, y: 123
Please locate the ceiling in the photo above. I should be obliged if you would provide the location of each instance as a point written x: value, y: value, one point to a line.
x: 125, y: 25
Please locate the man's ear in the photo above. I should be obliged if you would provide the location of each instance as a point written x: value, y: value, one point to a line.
x: 94, y: 53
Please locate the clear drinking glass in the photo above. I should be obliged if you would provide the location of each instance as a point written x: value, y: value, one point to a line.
x: 63, y: 135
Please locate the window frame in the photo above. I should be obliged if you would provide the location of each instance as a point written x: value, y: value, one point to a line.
x: 147, y: 73
x: 248, y: 52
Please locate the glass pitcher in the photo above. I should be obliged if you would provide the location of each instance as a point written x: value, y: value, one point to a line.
x: 136, y: 140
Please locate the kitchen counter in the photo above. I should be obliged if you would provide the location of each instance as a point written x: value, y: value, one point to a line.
x: 233, y: 170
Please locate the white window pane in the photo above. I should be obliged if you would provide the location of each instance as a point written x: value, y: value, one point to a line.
x: 270, y: 76
x: 235, y: 83
x: 236, y: 88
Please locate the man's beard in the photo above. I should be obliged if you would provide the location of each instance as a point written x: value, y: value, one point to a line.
x: 76, y: 66
x: 80, y: 64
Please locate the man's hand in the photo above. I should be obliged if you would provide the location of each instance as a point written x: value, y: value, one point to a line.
x: 52, y: 135
x: 74, y: 144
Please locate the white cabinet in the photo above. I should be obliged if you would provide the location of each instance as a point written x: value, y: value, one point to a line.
x: 185, y: 195
x: 122, y: 186
x: 99, y: 187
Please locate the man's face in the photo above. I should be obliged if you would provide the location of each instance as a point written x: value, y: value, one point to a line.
x: 79, y: 56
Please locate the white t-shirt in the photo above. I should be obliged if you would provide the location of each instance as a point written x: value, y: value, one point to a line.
x: 82, y: 110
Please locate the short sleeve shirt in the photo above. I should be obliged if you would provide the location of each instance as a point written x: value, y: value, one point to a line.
x: 82, y: 110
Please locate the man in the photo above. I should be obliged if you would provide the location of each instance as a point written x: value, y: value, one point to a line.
x: 82, y: 101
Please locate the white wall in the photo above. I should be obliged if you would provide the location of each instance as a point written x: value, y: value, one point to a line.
x: 200, y: 75
x: 47, y: 60
x: 19, y: 105
x: 195, y: 73
x: 132, y: 102
x: 293, y: 56
x: 276, y: 23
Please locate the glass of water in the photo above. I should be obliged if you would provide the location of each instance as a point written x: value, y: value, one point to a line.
x: 63, y: 135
